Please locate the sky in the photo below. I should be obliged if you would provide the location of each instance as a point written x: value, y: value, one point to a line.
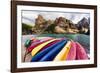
x: 29, y: 17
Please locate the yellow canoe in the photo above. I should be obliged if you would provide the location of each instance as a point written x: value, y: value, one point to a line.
x: 36, y: 49
x: 63, y: 53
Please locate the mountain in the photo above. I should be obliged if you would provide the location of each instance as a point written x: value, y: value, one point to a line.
x: 59, y: 25
x: 83, y: 25
x: 64, y: 25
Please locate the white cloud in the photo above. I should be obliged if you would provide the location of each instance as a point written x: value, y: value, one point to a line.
x: 32, y: 15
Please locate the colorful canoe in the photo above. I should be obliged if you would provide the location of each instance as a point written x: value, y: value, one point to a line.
x: 33, y: 45
x: 38, y: 56
x: 27, y: 43
x: 51, y: 54
x: 51, y: 49
x: 50, y: 44
x: 80, y: 52
x: 72, y: 52
x: 63, y: 53
x: 38, y: 48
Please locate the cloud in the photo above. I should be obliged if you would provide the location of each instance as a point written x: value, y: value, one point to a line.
x: 74, y: 16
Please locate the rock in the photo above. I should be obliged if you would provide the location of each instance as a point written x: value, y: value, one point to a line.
x: 59, y: 30
x: 61, y: 21
x: 83, y: 23
x: 83, y: 26
x: 65, y: 25
x: 61, y: 25
x: 39, y: 22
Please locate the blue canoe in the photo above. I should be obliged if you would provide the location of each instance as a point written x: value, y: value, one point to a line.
x: 52, y: 53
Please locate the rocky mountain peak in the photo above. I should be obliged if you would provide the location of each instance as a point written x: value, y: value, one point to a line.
x: 39, y: 20
x: 83, y: 23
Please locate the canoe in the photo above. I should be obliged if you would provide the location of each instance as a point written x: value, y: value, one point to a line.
x: 50, y: 44
x: 63, y: 53
x: 38, y: 48
x: 27, y: 43
x: 51, y: 54
x: 72, y: 52
x: 33, y: 45
x: 80, y: 52
x: 38, y: 56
